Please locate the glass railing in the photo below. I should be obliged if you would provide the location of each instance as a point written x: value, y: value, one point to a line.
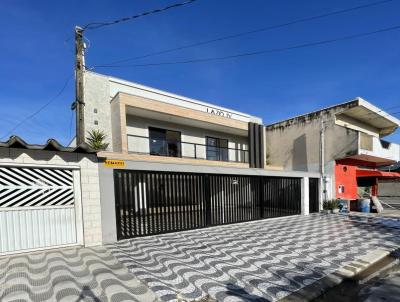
x: 159, y: 147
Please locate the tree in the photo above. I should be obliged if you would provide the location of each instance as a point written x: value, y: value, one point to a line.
x: 96, y: 140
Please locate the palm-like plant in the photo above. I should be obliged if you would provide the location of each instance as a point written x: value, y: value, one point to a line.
x: 96, y: 140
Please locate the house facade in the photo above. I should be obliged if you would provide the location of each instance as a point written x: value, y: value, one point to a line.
x: 142, y: 122
x: 343, y: 142
x: 175, y: 163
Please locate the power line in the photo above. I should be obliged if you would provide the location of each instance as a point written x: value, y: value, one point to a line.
x: 276, y: 26
x: 40, y: 109
x: 96, y: 25
x: 273, y: 50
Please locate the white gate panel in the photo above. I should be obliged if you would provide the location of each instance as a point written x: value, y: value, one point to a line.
x: 36, y: 228
x: 37, y: 208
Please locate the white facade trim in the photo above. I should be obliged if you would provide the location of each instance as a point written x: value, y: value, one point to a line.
x: 305, y: 196
x: 79, y: 220
x: 120, y: 85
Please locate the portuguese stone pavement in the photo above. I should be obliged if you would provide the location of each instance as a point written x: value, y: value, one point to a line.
x: 257, y: 261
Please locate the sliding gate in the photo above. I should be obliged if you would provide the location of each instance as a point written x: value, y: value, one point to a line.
x: 150, y: 203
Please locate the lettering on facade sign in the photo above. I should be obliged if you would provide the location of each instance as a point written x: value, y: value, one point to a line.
x: 114, y: 163
x: 219, y: 112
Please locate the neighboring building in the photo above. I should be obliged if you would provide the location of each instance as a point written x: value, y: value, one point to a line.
x: 175, y: 163
x: 350, y: 143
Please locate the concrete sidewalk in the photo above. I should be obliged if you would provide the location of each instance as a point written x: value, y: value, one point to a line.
x: 74, y: 274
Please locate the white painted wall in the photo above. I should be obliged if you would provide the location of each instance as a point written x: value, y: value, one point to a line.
x: 393, y: 152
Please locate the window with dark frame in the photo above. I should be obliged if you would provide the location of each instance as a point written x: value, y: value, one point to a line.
x: 217, y: 149
x: 163, y: 142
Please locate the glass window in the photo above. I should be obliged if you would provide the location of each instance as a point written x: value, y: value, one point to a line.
x: 164, y: 142
x: 217, y: 148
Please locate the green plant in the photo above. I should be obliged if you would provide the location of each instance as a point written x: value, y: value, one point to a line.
x: 334, y: 204
x: 331, y: 204
x: 96, y: 140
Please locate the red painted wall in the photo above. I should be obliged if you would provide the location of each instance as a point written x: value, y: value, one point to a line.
x: 345, y: 177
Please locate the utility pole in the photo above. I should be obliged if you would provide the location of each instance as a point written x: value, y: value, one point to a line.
x: 79, y: 104
x: 322, y: 156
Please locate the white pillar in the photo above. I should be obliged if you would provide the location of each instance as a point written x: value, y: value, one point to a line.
x: 305, y: 196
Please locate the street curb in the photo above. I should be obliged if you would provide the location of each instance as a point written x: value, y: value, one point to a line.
x: 356, y: 270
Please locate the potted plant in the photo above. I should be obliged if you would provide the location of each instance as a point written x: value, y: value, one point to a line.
x: 334, y: 205
x: 325, y: 207
x: 330, y: 206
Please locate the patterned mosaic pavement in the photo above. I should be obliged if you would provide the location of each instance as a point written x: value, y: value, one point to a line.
x: 75, y: 274
x: 258, y: 261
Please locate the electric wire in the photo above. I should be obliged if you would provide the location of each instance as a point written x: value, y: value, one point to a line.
x: 96, y: 25
x: 263, y: 29
x: 19, y: 124
x: 259, y: 52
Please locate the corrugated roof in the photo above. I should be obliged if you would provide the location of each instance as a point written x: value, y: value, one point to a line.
x: 51, y: 145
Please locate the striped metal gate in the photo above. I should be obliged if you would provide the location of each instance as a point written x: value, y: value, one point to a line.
x: 150, y: 203
x: 37, y: 208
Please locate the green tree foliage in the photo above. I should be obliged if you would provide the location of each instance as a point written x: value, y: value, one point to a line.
x: 96, y: 139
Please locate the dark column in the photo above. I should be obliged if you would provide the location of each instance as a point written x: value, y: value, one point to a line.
x: 256, y: 145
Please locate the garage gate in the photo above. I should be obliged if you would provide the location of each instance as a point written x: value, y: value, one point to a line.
x: 37, y: 208
x: 150, y: 203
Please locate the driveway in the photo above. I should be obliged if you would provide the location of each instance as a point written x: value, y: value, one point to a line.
x: 257, y: 261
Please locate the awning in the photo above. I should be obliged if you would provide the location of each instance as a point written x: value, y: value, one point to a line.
x: 375, y: 173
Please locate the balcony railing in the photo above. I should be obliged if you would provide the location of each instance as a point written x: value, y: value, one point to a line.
x: 160, y: 147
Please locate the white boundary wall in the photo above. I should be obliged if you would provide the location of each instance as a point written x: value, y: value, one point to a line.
x: 89, y: 191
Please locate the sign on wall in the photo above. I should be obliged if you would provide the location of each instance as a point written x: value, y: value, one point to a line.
x: 219, y: 112
x: 114, y: 163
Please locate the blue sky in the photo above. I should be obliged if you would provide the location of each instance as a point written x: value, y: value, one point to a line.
x: 37, y: 56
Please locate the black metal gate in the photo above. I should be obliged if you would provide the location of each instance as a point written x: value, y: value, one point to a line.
x: 150, y: 203
x: 314, y: 206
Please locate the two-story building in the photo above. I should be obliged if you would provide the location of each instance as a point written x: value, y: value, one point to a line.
x: 344, y: 142
x: 183, y: 163
x: 142, y: 122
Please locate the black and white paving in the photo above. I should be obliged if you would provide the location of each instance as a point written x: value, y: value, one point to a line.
x: 69, y: 274
x: 257, y: 261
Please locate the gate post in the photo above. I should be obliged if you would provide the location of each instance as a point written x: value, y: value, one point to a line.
x: 305, y: 196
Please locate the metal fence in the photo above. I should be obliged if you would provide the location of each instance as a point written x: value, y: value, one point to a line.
x: 150, y: 203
